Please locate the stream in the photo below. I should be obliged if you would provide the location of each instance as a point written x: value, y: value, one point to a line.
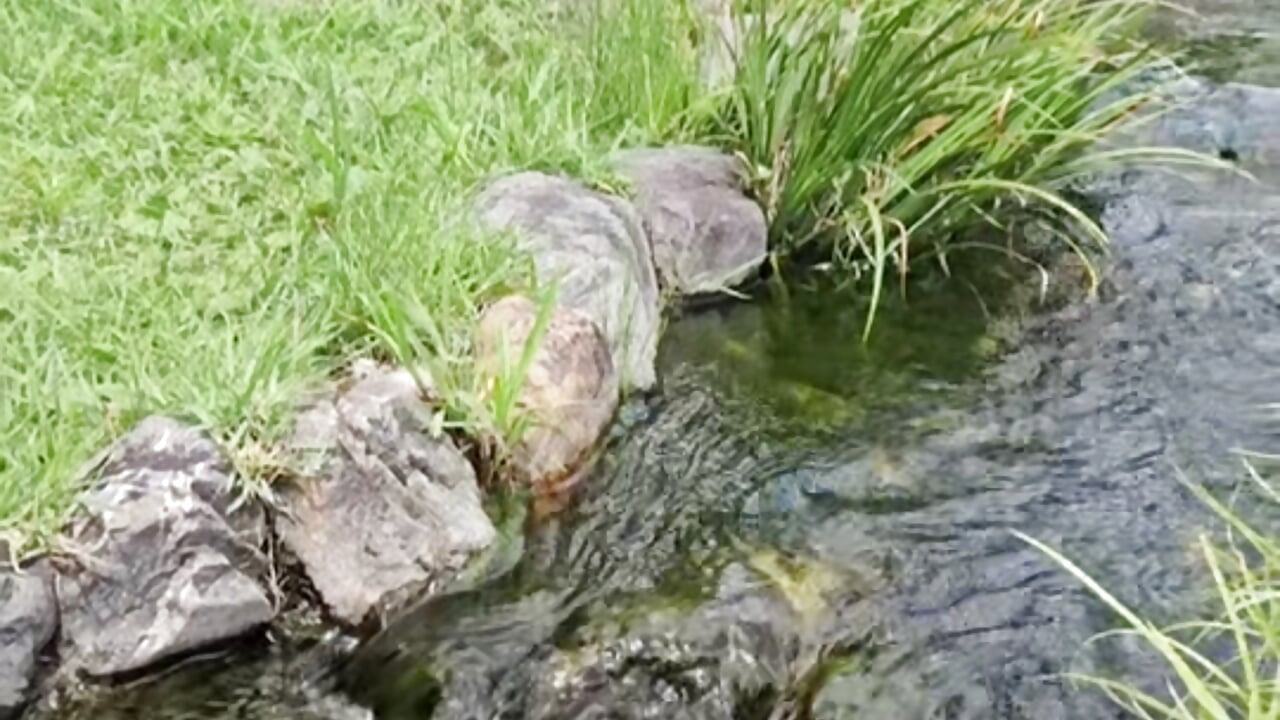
x: 797, y: 525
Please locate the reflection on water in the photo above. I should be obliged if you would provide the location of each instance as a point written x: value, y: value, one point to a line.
x: 797, y: 352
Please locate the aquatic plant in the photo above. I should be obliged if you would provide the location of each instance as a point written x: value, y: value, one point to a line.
x: 886, y: 132
x: 1201, y: 685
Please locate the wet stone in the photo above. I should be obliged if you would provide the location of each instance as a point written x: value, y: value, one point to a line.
x: 28, y: 620
x: 738, y: 655
x: 383, y: 509
x: 164, y: 557
x: 1234, y: 122
x: 595, y: 247
x: 280, y: 681
x: 707, y: 234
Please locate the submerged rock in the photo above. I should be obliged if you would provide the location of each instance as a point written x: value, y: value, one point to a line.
x: 383, y: 508
x: 28, y: 619
x: 707, y: 234
x: 569, y: 391
x: 1230, y: 122
x: 285, y: 681
x: 747, y: 652
x: 595, y: 247
x: 1234, y: 121
x: 165, y: 560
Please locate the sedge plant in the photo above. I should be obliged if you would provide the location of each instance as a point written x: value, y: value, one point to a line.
x: 885, y: 132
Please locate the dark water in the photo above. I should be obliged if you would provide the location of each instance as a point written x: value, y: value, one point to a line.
x: 798, y: 525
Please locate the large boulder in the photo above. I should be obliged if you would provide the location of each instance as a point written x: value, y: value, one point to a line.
x: 383, y: 507
x: 569, y: 389
x: 595, y: 247
x: 707, y: 234
x: 28, y: 619
x: 165, y: 557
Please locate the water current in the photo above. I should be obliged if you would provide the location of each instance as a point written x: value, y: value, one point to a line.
x: 797, y: 525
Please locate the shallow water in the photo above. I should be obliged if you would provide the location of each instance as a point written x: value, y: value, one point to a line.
x: 1226, y: 39
x: 799, y: 525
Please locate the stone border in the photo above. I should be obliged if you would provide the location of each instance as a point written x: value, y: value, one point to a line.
x: 164, y: 558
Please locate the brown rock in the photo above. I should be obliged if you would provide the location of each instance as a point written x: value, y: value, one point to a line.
x: 595, y: 248
x: 570, y: 391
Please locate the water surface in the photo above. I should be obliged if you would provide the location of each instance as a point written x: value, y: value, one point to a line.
x: 800, y: 525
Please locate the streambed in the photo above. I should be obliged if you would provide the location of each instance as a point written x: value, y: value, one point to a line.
x: 796, y: 521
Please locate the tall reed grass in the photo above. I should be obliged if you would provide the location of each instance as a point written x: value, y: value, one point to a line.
x: 887, y: 132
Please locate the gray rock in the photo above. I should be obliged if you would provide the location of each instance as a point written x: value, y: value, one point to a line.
x: 569, y: 392
x: 1234, y: 120
x: 165, y: 556
x: 595, y: 246
x: 707, y: 234
x: 1231, y: 121
x: 28, y: 619
x: 383, y: 508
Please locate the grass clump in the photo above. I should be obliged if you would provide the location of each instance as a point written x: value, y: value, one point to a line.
x: 207, y: 206
x: 884, y: 132
x: 1223, y: 668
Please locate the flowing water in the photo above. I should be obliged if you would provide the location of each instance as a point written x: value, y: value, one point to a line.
x: 799, y: 525
x: 1229, y: 39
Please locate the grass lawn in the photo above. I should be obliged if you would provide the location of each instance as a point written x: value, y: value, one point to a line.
x: 208, y: 205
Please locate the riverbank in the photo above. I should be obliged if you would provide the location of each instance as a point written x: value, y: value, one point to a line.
x: 295, y: 311
x: 211, y: 207
x: 214, y: 207
x: 332, y: 272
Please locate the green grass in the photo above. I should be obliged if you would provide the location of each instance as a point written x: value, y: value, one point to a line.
x: 207, y: 206
x: 1226, y: 667
x: 899, y: 132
